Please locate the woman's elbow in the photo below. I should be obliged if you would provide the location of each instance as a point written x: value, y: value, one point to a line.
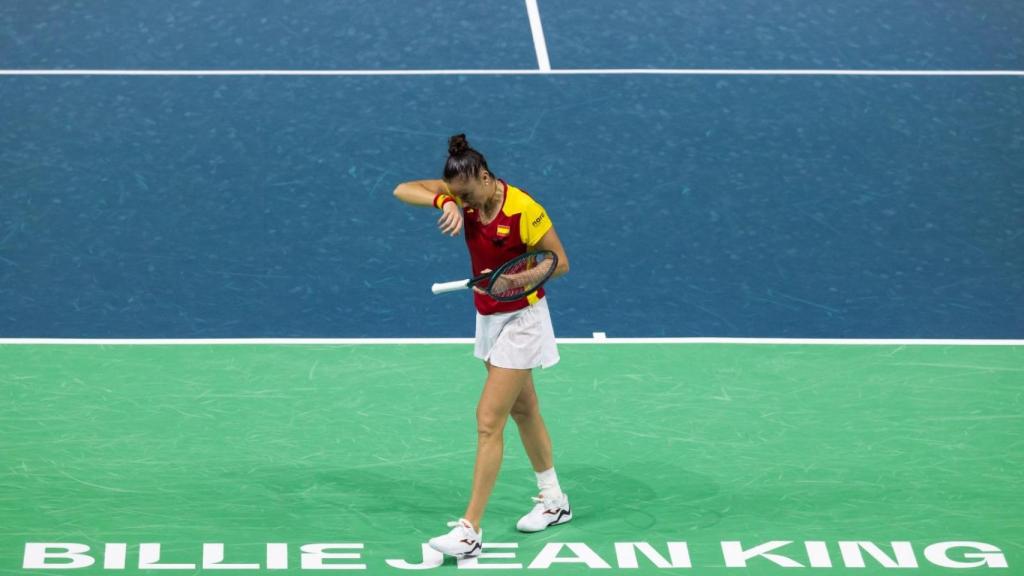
x: 404, y: 193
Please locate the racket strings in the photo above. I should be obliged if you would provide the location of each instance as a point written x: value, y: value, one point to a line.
x: 523, y: 277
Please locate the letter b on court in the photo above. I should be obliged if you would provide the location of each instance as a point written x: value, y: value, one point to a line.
x: 56, y: 555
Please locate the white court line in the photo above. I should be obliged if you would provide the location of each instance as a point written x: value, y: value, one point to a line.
x: 539, y: 44
x: 392, y: 341
x: 513, y: 72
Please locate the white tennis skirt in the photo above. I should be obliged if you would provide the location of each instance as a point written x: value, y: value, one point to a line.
x: 523, y: 339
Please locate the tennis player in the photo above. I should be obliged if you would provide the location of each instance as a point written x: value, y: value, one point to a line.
x: 512, y: 338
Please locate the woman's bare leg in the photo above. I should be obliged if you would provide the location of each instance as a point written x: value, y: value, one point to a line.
x: 502, y: 388
x: 532, y: 430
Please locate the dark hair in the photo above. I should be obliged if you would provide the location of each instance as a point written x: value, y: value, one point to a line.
x: 463, y: 161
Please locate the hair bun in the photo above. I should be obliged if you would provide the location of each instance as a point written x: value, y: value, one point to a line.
x: 457, y: 145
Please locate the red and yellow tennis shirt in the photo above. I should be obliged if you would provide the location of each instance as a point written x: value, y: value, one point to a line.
x: 520, y: 224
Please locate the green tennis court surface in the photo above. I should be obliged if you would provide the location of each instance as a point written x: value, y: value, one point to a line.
x: 871, y: 453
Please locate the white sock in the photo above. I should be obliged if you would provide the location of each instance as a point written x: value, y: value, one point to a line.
x: 547, y: 481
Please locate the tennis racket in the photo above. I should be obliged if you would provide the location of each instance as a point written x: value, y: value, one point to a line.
x: 515, y: 279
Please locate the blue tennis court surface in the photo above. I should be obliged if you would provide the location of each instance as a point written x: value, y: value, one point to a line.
x: 691, y: 205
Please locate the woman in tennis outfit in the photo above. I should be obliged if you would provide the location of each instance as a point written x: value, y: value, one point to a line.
x: 512, y: 338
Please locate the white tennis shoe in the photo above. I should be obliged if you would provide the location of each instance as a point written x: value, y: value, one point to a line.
x: 461, y: 542
x: 547, y: 512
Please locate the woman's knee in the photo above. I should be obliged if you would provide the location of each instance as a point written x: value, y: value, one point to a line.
x: 525, y: 409
x: 503, y: 390
x: 489, y: 425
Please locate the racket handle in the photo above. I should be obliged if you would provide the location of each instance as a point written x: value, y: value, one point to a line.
x: 442, y: 287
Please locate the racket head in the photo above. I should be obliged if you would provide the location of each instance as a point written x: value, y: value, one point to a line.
x: 521, y: 276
